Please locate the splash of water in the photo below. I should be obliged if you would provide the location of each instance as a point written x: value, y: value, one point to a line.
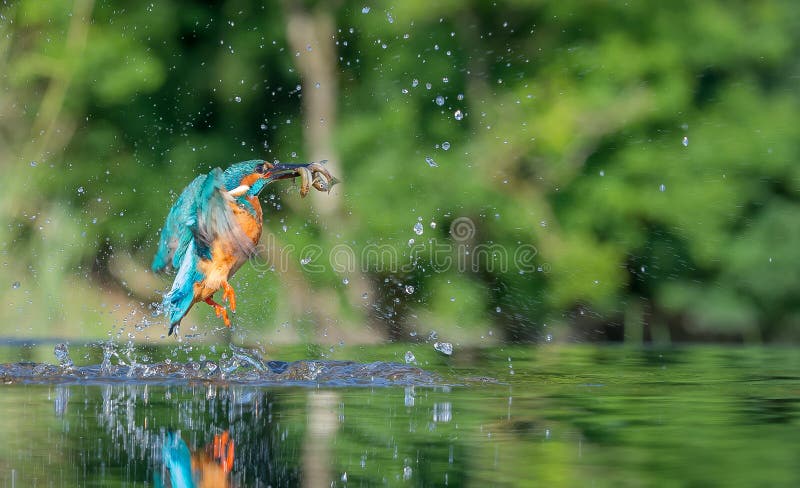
x: 61, y: 352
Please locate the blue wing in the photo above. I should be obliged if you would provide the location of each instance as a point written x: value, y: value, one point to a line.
x: 201, y: 215
x: 177, y: 231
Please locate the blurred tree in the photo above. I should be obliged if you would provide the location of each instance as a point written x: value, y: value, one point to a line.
x: 643, y: 153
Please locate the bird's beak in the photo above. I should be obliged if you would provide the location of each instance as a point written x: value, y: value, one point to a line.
x: 282, y: 171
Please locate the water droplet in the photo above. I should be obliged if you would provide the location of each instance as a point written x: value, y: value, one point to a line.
x: 410, y: 358
x: 409, y: 289
x: 662, y: 187
x: 389, y: 17
x: 498, y: 309
x: 431, y: 162
x: 440, y: 100
x: 443, y: 347
x: 365, y: 10
x: 685, y: 141
x: 428, y: 86
x: 407, y: 471
x: 433, y: 225
x: 418, y: 228
x: 458, y: 115
x: 263, y: 126
x: 81, y: 190
x: 411, y: 242
x: 345, y: 281
x: 446, y: 145
x: 602, y: 173
x: 15, y: 285
x: 34, y: 164
x: 305, y: 261
x: 237, y: 99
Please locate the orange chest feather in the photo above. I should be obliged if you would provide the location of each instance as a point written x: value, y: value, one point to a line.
x: 225, y: 258
x: 249, y: 223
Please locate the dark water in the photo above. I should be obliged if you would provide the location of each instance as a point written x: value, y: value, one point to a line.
x: 514, y: 416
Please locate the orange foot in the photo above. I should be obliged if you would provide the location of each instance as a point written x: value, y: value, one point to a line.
x: 219, y: 310
x: 223, y: 451
x: 229, y: 295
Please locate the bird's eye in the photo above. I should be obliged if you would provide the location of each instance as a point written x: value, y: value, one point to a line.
x: 260, y: 169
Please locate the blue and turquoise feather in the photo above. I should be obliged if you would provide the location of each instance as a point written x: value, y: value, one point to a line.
x: 176, y: 233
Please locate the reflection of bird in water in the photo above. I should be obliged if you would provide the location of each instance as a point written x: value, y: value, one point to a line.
x: 207, y: 468
x: 213, y: 229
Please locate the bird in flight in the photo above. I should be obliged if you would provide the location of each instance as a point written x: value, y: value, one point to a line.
x: 214, y: 227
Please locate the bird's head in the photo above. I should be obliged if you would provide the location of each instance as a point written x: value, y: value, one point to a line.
x: 252, y: 176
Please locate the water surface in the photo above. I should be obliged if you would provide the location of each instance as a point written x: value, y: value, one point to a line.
x: 513, y: 416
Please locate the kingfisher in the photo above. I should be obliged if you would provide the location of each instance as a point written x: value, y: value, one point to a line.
x: 207, y: 467
x: 214, y: 227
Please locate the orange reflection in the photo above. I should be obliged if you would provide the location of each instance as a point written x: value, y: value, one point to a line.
x: 212, y: 465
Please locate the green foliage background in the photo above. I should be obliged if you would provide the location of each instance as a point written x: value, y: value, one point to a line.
x: 647, y: 150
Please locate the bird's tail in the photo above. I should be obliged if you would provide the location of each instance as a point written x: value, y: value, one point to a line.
x: 180, y: 298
